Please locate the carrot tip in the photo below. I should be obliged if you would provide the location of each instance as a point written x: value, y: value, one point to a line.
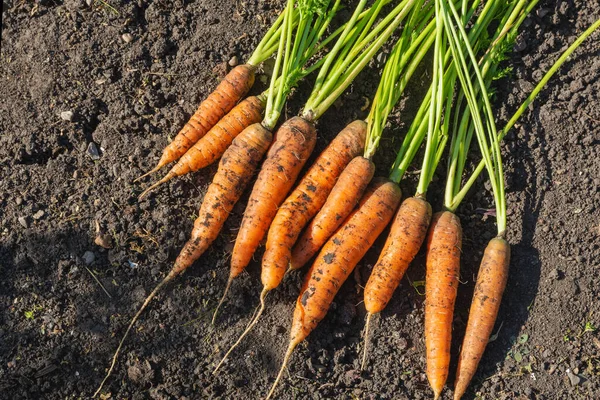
x: 214, y: 318
x: 366, y: 342
x: 167, y: 178
x: 153, y: 170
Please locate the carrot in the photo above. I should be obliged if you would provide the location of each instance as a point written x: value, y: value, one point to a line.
x: 341, y: 201
x: 280, y: 170
x: 232, y: 88
x: 338, y: 258
x: 236, y: 168
x: 301, y: 205
x: 306, y: 200
x: 444, y: 244
x: 211, y: 147
x: 489, y: 288
x: 406, y: 236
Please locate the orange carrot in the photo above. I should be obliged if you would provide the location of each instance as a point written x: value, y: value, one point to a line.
x: 338, y: 258
x: 341, y: 201
x: 232, y: 88
x: 444, y: 244
x: 489, y: 288
x: 236, y: 169
x: 280, y: 170
x: 407, y: 234
x: 212, y: 146
x: 301, y: 205
x: 306, y: 200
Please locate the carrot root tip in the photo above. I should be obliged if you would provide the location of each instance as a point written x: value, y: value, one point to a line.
x: 366, y: 342
x: 214, y: 318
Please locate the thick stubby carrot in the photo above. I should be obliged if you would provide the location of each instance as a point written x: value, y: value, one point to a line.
x: 228, y: 93
x: 338, y: 258
x: 235, y: 171
x: 341, y: 201
x: 407, y: 234
x: 297, y: 138
x: 211, y: 147
x: 444, y: 244
x: 491, y: 281
x: 307, y: 199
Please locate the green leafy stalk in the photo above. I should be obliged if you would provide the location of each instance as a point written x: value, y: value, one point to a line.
x: 269, y: 43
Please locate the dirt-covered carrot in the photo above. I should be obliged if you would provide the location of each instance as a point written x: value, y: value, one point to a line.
x: 491, y: 281
x: 227, y: 94
x: 338, y: 258
x: 211, y: 147
x: 236, y: 168
x: 444, y: 244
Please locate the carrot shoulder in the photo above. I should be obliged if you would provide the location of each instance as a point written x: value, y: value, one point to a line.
x: 444, y: 244
x: 228, y: 93
x: 307, y: 199
x: 489, y: 288
x: 342, y: 199
x: 236, y: 169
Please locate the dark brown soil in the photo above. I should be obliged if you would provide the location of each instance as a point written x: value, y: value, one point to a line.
x: 58, y: 328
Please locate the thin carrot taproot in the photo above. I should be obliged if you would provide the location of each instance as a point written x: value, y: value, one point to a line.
x: 444, y: 244
x: 211, y: 146
x: 236, y: 169
x: 227, y: 94
x: 342, y: 199
x: 337, y: 259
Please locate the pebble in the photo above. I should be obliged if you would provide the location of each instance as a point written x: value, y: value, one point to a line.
x: 23, y: 221
x: 574, y: 379
x: 233, y: 61
x: 19, y: 201
x: 104, y: 240
x: 88, y: 257
x: 38, y: 214
x: 66, y: 116
x: 93, y: 151
x: 127, y: 37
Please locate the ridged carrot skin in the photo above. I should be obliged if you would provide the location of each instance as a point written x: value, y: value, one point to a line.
x: 307, y: 199
x: 407, y: 234
x: 444, y: 244
x: 491, y: 282
x: 236, y: 168
x: 341, y: 253
x: 295, y: 142
x: 342, y: 199
x: 228, y: 93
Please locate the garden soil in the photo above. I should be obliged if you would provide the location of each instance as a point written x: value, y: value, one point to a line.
x: 90, y: 93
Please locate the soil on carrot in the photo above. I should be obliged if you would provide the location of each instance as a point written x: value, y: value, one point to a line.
x: 93, y: 90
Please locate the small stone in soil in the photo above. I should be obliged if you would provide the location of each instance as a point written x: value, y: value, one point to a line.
x: 93, y: 151
x: 23, y: 221
x: 66, y: 116
x: 38, y: 214
x: 88, y: 257
x: 233, y: 61
x: 574, y: 379
x: 19, y: 201
x: 127, y: 37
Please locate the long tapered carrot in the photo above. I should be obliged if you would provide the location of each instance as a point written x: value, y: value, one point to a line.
x: 491, y: 281
x: 295, y: 141
x: 236, y: 169
x: 338, y: 258
x: 300, y: 206
x: 232, y: 88
x: 444, y: 244
x: 307, y: 199
x: 406, y: 236
x: 211, y: 147
x: 341, y: 201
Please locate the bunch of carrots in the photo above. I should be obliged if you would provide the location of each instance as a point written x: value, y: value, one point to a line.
x: 336, y: 211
